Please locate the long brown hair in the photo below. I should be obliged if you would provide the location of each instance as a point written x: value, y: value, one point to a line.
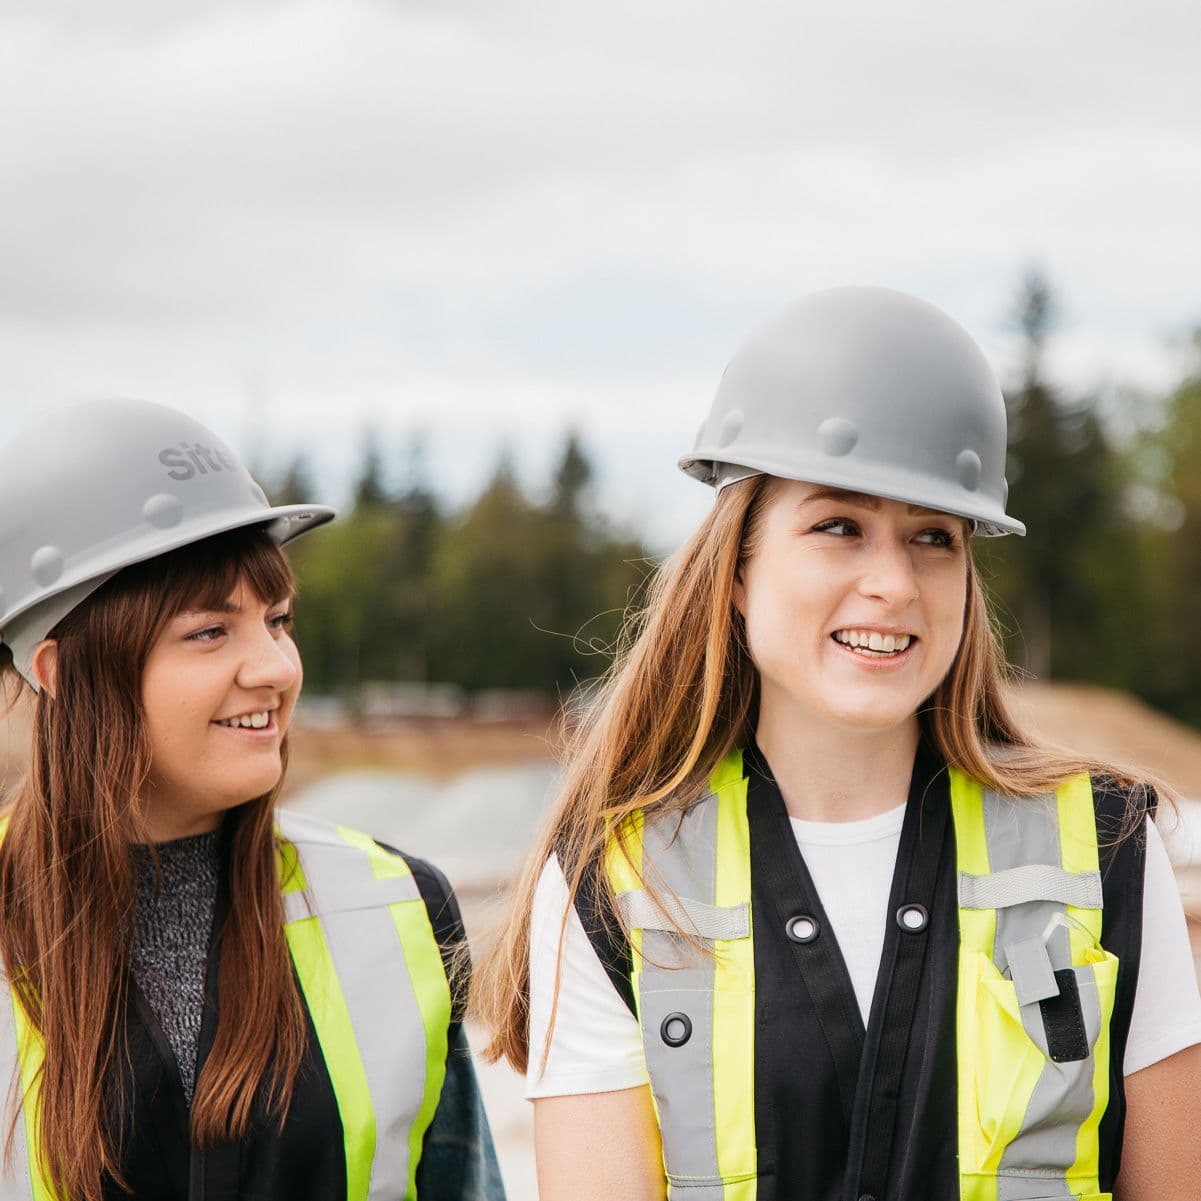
x: 681, y: 694
x: 67, y: 879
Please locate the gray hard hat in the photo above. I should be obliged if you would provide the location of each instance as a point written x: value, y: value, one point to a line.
x: 866, y: 389
x: 95, y: 487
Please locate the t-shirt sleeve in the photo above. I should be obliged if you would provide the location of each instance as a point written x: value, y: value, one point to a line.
x: 1166, y: 1016
x: 596, y: 1045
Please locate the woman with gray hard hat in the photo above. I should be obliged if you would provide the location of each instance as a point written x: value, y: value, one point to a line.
x: 207, y: 998
x: 814, y: 918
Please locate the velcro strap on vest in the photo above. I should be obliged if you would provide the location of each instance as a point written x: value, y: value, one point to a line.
x: 640, y: 911
x: 369, y: 895
x: 1033, y: 882
x: 1030, y: 970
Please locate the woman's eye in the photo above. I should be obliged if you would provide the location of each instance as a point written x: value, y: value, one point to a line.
x: 208, y: 634
x: 281, y: 621
x: 937, y: 537
x: 843, y: 527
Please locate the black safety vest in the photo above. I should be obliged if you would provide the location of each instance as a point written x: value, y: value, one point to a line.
x: 844, y: 1113
x: 305, y: 1159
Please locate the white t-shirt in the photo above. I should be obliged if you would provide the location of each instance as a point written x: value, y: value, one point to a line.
x: 597, y: 1045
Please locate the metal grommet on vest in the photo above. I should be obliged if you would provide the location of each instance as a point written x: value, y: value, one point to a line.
x: 913, y: 919
x: 802, y: 928
x: 676, y: 1029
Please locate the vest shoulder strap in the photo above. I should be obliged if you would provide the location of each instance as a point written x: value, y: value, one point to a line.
x: 373, y: 978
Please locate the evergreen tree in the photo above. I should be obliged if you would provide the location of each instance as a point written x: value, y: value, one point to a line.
x: 296, y: 485
x: 370, y: 491
x: 1062, y: 476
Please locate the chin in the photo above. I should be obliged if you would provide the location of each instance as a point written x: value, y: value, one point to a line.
x: 250, y: 790
x: 872, y: 720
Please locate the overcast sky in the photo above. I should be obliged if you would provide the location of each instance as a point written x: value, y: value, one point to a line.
x: 497, y: 220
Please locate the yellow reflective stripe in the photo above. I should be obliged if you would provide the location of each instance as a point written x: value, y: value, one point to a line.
x: 30, y: 1053
x: 287, y: 860
x: 728, y: 771
x: 623, y: 864
x: 331, y: 1020
x: 432, y: 990
x: 977, y: 927
x: 1080, y: 853
x: 977, y: 933
x: 384, y: 866
x: 734, y: 1000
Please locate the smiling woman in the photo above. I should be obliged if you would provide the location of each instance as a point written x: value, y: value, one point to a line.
x: 813, y: 917
x: 205, y: 997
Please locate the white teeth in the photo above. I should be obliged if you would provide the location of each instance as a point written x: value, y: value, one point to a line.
x: 871, y: 640
x: 248, y: 721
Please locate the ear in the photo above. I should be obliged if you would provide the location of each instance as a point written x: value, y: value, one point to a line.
x: 739, y: 593
x: 45, y: 664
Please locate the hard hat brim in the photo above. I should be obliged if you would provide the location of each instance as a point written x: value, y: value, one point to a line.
x: 283, y: 523
x: 888, y: 483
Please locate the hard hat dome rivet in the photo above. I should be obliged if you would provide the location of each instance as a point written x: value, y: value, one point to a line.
x: 731, y: 427
x: 46, y: 564
x: 163, y: 510
x: 837, y: 436
x: 969, y: 467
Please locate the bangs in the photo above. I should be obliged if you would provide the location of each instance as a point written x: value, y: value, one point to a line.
x: 205, y: 574
x: 201, y: 575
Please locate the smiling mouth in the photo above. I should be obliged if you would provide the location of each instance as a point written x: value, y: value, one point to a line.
x: 261, y: 720
x: 871, y: 644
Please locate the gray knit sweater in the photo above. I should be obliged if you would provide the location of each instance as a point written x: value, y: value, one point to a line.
x: 172, y: 928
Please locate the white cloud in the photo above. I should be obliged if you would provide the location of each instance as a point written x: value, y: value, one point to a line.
x: 512, y: 216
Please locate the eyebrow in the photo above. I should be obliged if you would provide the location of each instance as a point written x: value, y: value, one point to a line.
x: 200, y: 611
x: 226, y: 607
x: 862, y: 499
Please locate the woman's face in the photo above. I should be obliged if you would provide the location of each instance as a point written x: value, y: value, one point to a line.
x: 854, y: 606
x: 218, y: 692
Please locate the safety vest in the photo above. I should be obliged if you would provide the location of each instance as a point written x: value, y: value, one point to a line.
x: 1030, y: 1064
x: 373, y: 980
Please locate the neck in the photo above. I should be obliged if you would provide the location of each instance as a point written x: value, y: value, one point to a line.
x: 835, y: 774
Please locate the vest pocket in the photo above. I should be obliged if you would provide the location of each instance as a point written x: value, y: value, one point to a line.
x: 1020, y: 1110
x: 700, y: 1151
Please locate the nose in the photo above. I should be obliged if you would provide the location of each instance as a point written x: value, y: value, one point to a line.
x: 888, y: 574
x: 268, y: 662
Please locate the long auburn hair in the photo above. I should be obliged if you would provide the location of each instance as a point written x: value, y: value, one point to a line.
x: 682, y: 693
x: 67, y: 878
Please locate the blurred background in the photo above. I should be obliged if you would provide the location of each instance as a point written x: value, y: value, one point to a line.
x: 471, y: 272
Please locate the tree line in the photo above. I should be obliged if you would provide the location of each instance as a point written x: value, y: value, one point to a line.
x: 509, y: 591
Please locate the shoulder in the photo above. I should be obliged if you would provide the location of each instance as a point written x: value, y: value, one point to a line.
x: 314, y: 838
x: 436, y: 892
x: 1121, y: 808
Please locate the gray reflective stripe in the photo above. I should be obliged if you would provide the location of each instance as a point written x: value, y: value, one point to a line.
x: 15, y: 1182
x: 1030, y: 882
x: 1056, y: 1094
x: 1021, y: 832
x: 681, y: 854
x: 377, y: 989
x: 640, y: 911
x: 321, y: 898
